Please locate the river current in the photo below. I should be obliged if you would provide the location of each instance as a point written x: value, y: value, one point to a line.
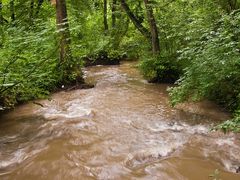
x: 123, y: 128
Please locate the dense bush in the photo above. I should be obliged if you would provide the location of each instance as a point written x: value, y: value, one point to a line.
x: 160, y: 69
x: 213, y: 71
x: 28, y: 63
x: 177, y: 28
x: 230, y: 125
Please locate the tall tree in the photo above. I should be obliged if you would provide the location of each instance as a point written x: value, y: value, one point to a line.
x: 105, y: 21
x: 232, y: 5
x: 114, y: 6
x: 1, y: 16
x: 63, y: 28
x: 153, y: 28
x: 135, y: 20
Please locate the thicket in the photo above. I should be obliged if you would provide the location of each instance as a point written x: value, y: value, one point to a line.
x: 28, y: 56
x: 31, y: 40
x: 194, y: 43
x: 213, y: 69
x: 200, y: 52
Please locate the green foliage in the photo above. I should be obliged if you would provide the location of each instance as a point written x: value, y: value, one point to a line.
x: 213, y: 70
x: 88, y: 38
x: 230, y: 125
x: 28, y: 63
x: 160, y: 69
x: 179, y: 24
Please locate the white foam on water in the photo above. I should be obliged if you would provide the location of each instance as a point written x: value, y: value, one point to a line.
x: 71, y: 112
x: 226, y: 141
x: 83, y: 125
x: 222, y: 149
x: 146, y: 156
x: 177, y: 127
x: 18, y: 157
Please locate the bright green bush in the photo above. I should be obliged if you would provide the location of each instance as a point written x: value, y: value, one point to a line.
x: 28, y: 63
x: 230, y: 125
x: 213, y: 70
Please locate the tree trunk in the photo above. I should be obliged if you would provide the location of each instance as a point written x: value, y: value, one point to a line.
x: 105, y: 15
x: 12, y: 10
x: 63, y: 28
x: 114, y: 6
x: 153, y: 28
x: 135, y: 21
x: 233, y: 4
x: 1, y: 16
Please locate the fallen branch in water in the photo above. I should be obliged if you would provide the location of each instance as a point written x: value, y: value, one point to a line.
x: 39, y: 104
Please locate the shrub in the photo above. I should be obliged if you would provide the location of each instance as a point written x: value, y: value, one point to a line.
x: 213, y: 71
x: 28, y: 63
x: 160, y: 69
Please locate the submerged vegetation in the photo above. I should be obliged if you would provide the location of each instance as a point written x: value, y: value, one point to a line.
x: 194, y: 43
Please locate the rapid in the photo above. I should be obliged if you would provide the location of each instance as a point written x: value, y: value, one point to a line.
x: 123, y: 128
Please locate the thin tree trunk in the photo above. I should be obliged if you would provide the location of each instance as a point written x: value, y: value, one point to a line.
x: 231, y: 5
x: 1, y: 16
x: 114, y: 6
x: 64, y: 33
x: 105, y: 21
x: 12, y: 10
x: 135, y: 21
x: 153, y: 28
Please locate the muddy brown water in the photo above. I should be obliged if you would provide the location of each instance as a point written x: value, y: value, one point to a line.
x: 124, y: 128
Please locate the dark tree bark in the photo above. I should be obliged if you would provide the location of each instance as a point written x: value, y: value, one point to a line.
x: 12, y: 10
x: 135, y: 21
x: 229, y: 5
x: 105, y: 21
x: 1, y: 16
x: 233, y: 5
x: 40, y: 2
x: 153, y: 28
x: 64, y: 33
x: 114, y: 6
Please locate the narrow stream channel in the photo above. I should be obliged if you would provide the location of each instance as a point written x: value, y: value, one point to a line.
x: 124, y: 128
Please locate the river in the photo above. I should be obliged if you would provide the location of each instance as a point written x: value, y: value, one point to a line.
x: 124, y: 128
